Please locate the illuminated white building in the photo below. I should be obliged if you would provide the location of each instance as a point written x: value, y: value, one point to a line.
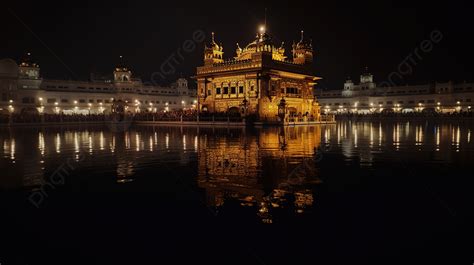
x: 366, y: 97
x: 22, y: 89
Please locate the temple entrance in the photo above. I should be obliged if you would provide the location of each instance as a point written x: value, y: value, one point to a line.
x: 233, y: 111
x: 292, y: 111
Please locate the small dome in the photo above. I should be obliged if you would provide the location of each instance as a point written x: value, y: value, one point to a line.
x: 304, y: 44
x: 8, y: 68
x: 251, y: 45
x: 121, y: 65
x: 263, y: 39
x: 238, y: 49
x: 213, y: 44
x: 27, y: 61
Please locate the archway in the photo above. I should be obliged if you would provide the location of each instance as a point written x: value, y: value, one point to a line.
x: 233, y: 111
x: 292, y: 111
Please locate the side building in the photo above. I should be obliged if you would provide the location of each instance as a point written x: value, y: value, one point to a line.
x: 259, y: 81
x: 22, y: 89
x: 366, y: 97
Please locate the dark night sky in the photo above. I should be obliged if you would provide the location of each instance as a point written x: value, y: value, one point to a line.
x: 347, y: 36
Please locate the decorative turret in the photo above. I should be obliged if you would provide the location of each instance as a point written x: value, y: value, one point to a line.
x: 213, y: 53
x: 348, y: 85
x: 122, y: 73
x: 181, y: 86
x: 367, y: 82
x: 27, y: 68
x: 262, y: 44
x: 238, y: 51
x: 303, y: 51
x: 348, y: 88
x: 366, y: 77
x: 279, y: 54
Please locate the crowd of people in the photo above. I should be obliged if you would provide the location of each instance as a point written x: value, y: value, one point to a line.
x: 166, y: 116
x: 461, y: 114
x: 50, y: 118
x: 180, y: 115
x: 186, y: 115
x: 191, y: 115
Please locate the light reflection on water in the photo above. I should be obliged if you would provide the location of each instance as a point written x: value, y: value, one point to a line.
x: 364, y: 135
x: 260, y: 168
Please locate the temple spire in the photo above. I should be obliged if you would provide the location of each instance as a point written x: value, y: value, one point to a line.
x: 265, y: 23
x: 366, y: 70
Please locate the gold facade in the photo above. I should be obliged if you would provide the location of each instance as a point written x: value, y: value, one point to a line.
x: 255, y: 81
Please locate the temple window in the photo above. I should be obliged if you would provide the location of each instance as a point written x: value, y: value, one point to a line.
x: 226, y: 90
x: 232, y: 90
x: 292, y: 90
x: 218, y: 91
x: 241, y: 89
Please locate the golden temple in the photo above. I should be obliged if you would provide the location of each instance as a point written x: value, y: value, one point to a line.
x: 260, y: 82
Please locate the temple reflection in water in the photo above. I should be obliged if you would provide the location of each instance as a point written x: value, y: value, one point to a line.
x: 263, y: 170
x: 270, y: 169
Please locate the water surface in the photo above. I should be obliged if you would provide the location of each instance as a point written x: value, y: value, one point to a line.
x: 351, y: 192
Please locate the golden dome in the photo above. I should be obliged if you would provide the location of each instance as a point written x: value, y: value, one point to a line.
x: 262, y: 42
x: 213, y: 44
x: 304, y: 44
x: 251, y: 45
